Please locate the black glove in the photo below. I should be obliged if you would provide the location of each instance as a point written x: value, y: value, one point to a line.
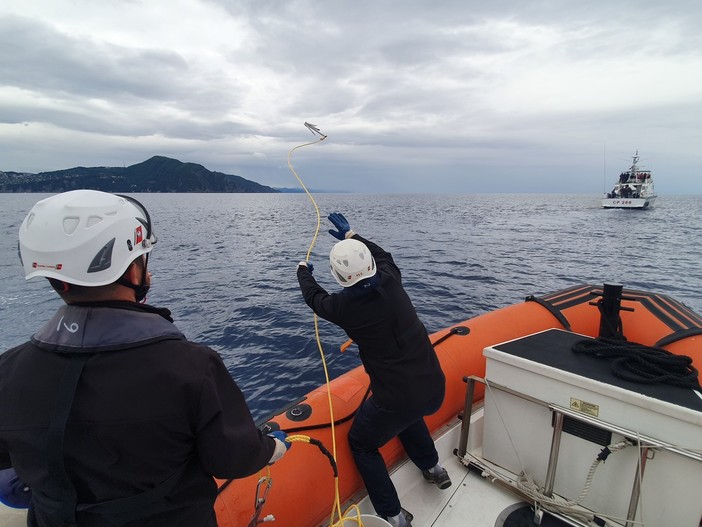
x: 337, y: 218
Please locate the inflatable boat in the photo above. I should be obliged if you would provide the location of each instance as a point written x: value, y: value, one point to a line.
x: 526, y: 422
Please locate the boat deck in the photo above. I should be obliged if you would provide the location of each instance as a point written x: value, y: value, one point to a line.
x: 12, y: 517
x: 470, y: 501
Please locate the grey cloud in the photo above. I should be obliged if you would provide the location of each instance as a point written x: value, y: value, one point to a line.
x: 407, y: 90
x: 37, y: 57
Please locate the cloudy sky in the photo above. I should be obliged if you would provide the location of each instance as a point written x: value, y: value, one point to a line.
x: 414, y: 95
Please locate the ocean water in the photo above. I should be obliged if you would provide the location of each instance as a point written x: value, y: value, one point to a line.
x: 225, y: 266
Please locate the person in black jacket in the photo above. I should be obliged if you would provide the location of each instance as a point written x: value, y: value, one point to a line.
x: 406, y: 379
x: 108, y: 413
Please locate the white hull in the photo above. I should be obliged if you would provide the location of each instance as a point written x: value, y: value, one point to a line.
x: 628, y: 203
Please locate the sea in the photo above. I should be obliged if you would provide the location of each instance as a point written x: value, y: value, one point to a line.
x: 225, y: 265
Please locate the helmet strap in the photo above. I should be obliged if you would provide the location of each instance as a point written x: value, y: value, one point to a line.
x: 59, y: 285
x: 142, y: 288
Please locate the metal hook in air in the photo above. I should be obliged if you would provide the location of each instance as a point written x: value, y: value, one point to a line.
x: 315, y: 130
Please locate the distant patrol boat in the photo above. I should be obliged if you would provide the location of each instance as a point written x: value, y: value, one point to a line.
x: 634, y: 190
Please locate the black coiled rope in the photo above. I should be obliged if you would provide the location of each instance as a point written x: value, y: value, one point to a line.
x: 642, y: 364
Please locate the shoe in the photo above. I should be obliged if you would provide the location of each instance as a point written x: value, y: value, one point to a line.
x: 441, y: 478
x: 408, y: 517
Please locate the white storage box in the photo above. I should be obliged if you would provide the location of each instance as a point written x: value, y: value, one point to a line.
x: 518, y: 430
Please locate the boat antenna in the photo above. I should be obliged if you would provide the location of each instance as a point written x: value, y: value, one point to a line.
x: 604, y: 168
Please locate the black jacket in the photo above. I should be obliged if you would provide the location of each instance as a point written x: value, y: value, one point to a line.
x: 393, y: 344
x: 149, y: 407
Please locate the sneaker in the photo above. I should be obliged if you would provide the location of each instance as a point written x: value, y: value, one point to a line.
x: 408, y: 517
x: 441, y: 478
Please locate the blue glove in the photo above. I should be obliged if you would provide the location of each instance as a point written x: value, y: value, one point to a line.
x: 13, y: 491
x: 281, y: 436
x: 337, y: 218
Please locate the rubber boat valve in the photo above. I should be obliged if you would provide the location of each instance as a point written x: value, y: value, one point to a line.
x: 456, y: 330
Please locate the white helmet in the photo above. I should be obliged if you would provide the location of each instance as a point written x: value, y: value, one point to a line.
x: 350, y: 262
x: 84, y: 237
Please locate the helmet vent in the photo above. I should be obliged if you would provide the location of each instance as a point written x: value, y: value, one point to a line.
x: 70, y: 224
x: 93, y: 220
x: 103, y: 259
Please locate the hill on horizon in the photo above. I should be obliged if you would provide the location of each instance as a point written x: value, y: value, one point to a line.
x: 157, y: 174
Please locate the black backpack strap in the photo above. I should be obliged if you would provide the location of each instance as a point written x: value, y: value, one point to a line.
x: 123, y: 509
x: 57, y: 433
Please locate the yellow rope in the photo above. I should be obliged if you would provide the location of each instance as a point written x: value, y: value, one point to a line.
x: 336, y: 509
x: 347, y: 520
x: 316, y: 208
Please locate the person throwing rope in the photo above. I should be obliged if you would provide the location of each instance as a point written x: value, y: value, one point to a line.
x: 406, y: 379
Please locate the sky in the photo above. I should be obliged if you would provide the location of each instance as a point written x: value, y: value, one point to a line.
x: 449, y: 96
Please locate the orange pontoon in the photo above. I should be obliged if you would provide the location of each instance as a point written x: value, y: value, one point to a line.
x: 302, y: 493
